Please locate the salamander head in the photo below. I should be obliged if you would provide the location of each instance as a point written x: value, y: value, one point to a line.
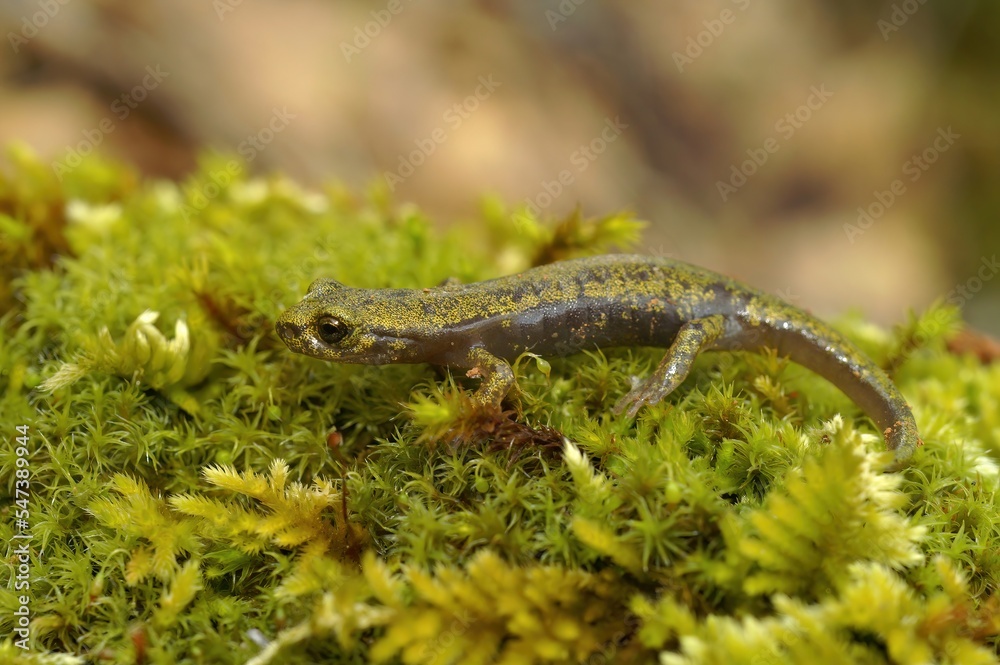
x: 342, y: 324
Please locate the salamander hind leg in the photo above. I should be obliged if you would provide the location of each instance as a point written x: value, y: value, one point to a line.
x: 693, y: 338
x: 496, y: 373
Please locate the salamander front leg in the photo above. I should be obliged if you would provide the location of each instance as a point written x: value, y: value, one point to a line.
x: 693, y: 338
x: 496, y: 373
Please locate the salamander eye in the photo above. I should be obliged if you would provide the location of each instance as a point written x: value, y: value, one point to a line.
x: 331, y: 330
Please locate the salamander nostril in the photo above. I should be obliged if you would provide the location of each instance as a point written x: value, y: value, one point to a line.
x: 286, y: 329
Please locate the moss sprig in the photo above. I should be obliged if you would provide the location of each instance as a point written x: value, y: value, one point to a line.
x: 838, y: 508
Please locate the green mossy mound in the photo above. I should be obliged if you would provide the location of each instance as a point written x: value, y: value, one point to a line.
x: 198, y: 494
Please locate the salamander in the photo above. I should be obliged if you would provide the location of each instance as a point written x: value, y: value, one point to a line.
x: 586, y: 303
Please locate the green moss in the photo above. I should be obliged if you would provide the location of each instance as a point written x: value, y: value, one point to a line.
x: 196, y: 490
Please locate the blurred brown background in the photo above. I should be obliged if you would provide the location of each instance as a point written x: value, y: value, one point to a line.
x: 749, y: 133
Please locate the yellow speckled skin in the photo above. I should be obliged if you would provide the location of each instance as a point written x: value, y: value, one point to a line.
x: 561, y: 308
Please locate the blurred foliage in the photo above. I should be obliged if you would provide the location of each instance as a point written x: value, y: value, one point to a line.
x: 368, y: 91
